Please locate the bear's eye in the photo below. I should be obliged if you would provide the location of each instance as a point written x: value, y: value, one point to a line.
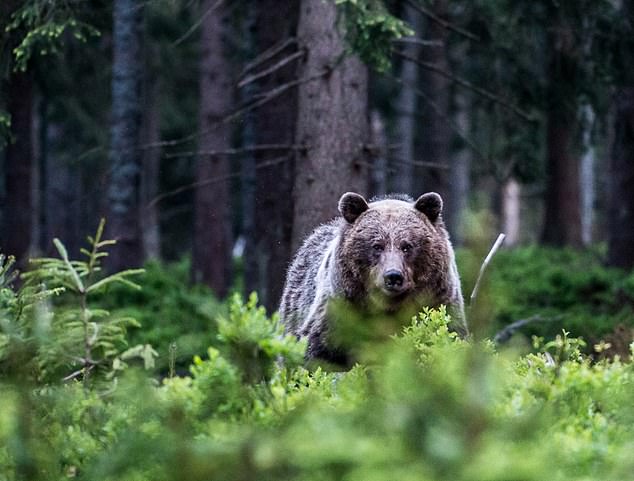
x: 406, y: 247
x: 377, y: 247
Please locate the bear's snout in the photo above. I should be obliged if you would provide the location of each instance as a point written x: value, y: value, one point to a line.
x: 393, y: 280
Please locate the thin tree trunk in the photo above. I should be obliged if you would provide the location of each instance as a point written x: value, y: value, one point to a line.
x: 274, y: 124
x: 406, y: 109
x: 125, y: 156
x: 436, y: 133
x: 460, y: 172
x: 562, y: 224
x: 332, y: 120
x: 18, y: 169
x: 586, y: 176
x: 151, y: 164
x: 378, y: 181
x: 211, y: 260
x: 511, y: 204
x: 621, y: 180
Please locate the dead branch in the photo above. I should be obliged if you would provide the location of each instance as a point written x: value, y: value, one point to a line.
x: 483, y: 267
x: 465, y: 83
x: 197, y: 24
x: 212, y: 180
x: 505, y: 334
x: 267, y: 55
x: 240, y: 151
x: 419, y: 41
x: 252, y: 78
x: 442, y: 22
x: 438, y: 111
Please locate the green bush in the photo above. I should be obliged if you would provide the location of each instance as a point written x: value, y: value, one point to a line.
x: 566, y: 289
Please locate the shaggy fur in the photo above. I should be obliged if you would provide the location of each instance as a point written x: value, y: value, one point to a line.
x: 350, y: 257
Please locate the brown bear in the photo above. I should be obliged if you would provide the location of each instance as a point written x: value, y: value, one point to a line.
x: 390, y: 256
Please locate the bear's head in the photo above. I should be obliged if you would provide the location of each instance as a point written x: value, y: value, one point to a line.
x: 393, y: 249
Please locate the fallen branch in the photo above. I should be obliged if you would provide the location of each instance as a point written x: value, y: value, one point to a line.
x: 505, y: 334
x: 483, y: 267
x: 465, y: 83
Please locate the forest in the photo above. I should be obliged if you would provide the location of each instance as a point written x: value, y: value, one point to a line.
x: 161, y: 162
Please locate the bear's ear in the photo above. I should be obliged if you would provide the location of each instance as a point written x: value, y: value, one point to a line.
x: 351, y: 206
x: 429, y: 204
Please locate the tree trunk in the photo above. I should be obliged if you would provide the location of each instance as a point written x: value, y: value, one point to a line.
x: 125, y: 156
x: 151, y: 164
x: 378, y: 181
x: 436, y: 133
x: 406, y: 109
x: 511, y: 208
x: 18, y: 220
x: 274, y: 124
x: 586, y: 176
x: 332, y: 120
x: 562, y: 224
x: 460, y: 172
x: 211, y: 260
x: 621, y: 180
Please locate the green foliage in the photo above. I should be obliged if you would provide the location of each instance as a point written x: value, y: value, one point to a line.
x: 569, y: 289
x: 423, y: 404
x: 370, y: 30
x: 175, y: 318
x: 45, y: 24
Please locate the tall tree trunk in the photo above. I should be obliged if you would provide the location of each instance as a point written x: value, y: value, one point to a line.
x: 562, y: 223
x: 437, y: 134
x: 125, y: 156
x: 18, y: 220
x: 511, y: 208
x: 332, y: 120
x: 406, y: 109
x: 460, y: 171
x: 211, y: 260
x: 586, y: 176
x: 151, y: 164
x: 274, y: 124
x: 378, y: 181
x: 621, y: 180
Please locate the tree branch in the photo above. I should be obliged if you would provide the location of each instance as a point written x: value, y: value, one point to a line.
x: 465, y: 83
x: 271, y: 69
x: 267, y: 54
x: 197, y: 24
x: 443, y: 23
x: 505, y: 334
x: 240, y: 151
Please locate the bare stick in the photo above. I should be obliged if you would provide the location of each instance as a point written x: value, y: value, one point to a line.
x: 483, y: 267
x: 252, y: 78
x: 197, y: 24
x: 465, y: 83
x: 443, y: 23
x: 419, y: 41
x: 240, y: 151
x: 505, y: 334
x: 267, y: 54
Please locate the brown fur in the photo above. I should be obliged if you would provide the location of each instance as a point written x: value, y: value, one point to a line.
x: 351, y: 257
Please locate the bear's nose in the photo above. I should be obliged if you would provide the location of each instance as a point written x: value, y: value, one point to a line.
x: 393, y: 279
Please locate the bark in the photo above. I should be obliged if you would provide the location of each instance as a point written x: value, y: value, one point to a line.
x: 151, y: 164
x: 211, y: 260
x: 18, y: 222
x: 406, y: 108
x: 562, y: 223
x: 332, y: 120
x: 125, y: 156
x: 511, y: 204
x: 621, y: 202
x: 587, y: 177
x: 378, y: 181
x: 270, y: 254
x: 436, y: 133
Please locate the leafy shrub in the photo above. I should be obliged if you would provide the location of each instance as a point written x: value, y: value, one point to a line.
x: 567, y: 289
